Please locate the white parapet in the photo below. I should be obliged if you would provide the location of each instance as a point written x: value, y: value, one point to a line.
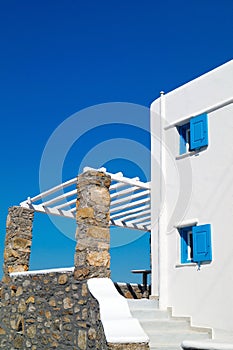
x: 42, y: 272
x: 119, y: 325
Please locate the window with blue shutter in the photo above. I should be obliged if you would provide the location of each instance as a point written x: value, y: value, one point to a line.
x: 202, y: 243
x: 196, y: 244
x: 194, y: 134
x: 198, y: 132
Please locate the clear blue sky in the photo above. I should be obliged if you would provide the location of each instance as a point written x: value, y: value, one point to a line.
x: 58, y: 57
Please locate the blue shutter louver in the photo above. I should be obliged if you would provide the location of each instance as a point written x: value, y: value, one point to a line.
x: 199, y: 132
x: 202, y: 250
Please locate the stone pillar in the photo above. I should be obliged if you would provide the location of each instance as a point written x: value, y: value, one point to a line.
x: 18, y: 240
x: 92, y: 258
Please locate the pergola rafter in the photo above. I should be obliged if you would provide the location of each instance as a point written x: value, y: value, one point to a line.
x: 130, y: 201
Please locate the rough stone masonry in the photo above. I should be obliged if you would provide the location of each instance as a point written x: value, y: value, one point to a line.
x: 18, y: 240
x: 49, y: 311
x: 92, y: 258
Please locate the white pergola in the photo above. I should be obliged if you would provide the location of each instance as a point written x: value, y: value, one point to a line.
x: 130, y: 201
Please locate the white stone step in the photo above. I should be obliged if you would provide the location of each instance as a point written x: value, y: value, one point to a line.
x: 174, y: 336
x: 165, y: 347
x: 145, y: 309
x: 153, y: 314
x: 208, y: 344
x: 164, y: 324
x: 164, y: 331
x: 137, y: 304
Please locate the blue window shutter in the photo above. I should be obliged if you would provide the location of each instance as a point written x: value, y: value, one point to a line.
x: 202, y: 250
x: 199, y: 132
x: 183, y: 140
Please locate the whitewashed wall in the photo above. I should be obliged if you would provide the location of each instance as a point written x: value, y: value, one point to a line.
x: 196, y: 187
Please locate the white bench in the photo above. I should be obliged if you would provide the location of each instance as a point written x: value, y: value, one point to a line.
x: 119, y: 325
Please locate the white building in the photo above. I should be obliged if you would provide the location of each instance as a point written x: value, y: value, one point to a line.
x: 188, y: 205
x: 192, y: 200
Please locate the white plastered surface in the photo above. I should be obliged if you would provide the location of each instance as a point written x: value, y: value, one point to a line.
x: 119, y: 325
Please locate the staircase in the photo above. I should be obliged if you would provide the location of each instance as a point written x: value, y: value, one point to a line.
x: 164, y: 331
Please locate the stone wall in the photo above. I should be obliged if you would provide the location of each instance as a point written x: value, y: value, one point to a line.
x: 49, y: 311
